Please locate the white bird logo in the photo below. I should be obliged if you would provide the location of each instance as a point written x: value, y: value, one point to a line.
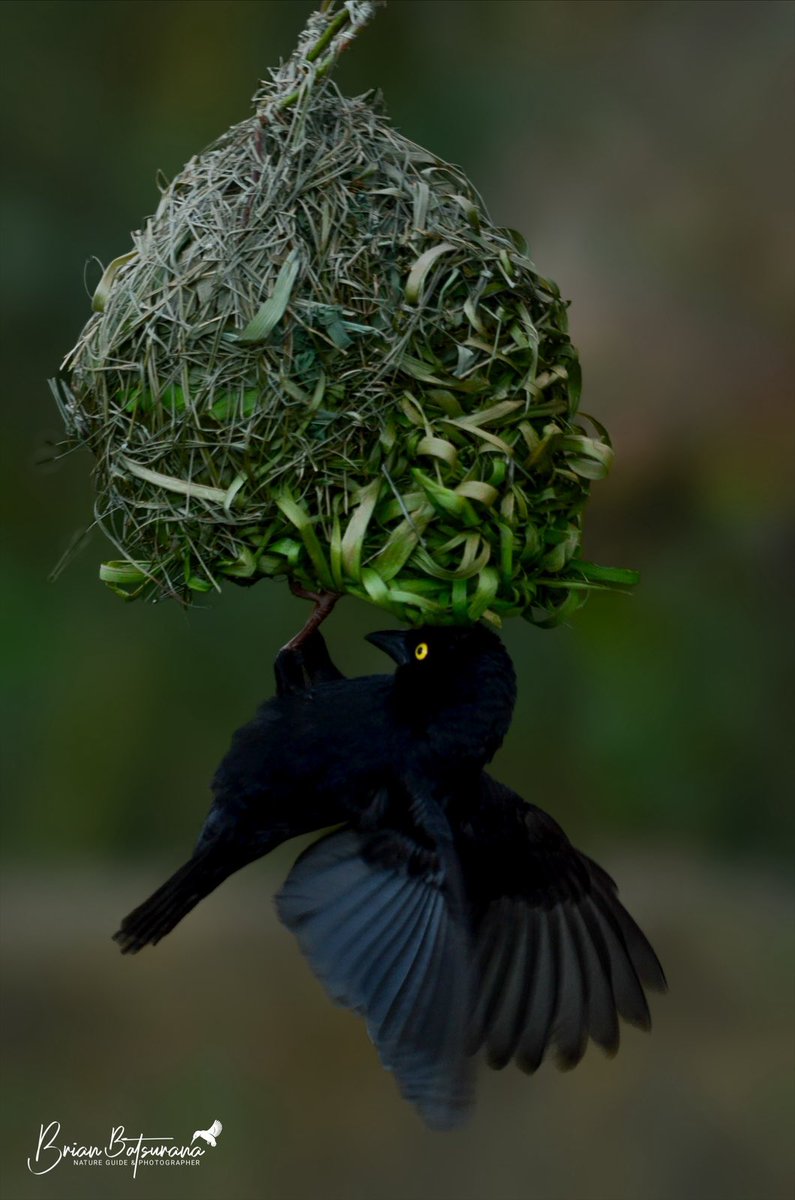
x: 209, y: 1135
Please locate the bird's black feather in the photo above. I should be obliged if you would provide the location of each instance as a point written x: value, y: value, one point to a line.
x: 558, y: 956
x: 376, y: 922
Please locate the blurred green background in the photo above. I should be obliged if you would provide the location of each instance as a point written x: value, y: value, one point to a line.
x: 645, y: 149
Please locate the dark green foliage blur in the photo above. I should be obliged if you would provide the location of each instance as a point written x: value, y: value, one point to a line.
x: 644, y: 150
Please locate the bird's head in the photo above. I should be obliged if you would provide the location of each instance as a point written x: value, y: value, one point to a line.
x: 461, y: 678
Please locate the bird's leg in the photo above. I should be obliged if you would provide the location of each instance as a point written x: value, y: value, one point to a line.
x: 324, y: 603
x: 294, y: 672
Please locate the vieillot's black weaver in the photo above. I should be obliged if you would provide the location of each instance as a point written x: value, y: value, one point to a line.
x: 446, y: 910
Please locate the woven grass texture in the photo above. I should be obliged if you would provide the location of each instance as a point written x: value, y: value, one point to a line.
x: 322, y: 360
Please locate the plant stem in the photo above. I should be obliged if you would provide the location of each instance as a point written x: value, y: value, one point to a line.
x: 336, y: 29
x: 342, y: 18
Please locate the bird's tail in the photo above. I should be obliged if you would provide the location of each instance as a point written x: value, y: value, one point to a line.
x: 166, y: 907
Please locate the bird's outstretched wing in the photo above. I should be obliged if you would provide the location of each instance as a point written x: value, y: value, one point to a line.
x: 557, y: 957
x: 373, y: 914
x: 216, y: 1128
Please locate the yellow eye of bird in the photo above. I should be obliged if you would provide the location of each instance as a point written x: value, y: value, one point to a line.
x: 421, y: 651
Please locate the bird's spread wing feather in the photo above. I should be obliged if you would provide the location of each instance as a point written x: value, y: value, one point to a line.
x: 372, y: 914
x: 558, y: 958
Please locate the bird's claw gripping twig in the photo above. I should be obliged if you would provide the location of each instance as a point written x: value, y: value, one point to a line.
x: 324, y: 603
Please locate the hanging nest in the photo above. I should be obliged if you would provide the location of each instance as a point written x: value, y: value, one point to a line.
x: 322, y: 360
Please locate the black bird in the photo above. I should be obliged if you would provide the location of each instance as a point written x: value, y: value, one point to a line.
x: 447, y: 911
x: 333, y: 752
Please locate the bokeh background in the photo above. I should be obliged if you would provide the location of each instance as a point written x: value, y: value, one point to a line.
x: 646, y: 151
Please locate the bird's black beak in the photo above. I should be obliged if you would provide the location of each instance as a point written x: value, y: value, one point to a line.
x: 392, y: 642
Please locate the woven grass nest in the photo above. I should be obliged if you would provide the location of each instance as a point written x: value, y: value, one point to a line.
x: 321, y: 360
